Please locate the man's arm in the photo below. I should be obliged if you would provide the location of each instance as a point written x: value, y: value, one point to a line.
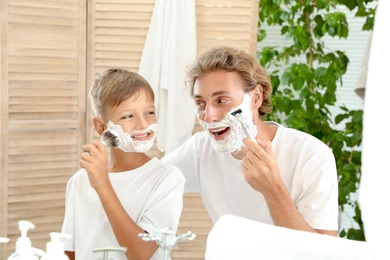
x: 261, y: 171
x: 285, y: 214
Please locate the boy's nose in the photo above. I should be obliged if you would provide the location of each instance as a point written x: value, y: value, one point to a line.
x: 141, y: 124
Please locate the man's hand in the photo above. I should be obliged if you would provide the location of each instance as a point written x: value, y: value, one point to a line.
x: 260, y: 168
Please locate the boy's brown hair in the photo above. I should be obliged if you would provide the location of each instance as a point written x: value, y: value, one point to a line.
x: 115, y: 85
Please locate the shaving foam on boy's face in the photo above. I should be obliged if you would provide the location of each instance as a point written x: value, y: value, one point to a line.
x: 126, y: 142
x: 233, y: 141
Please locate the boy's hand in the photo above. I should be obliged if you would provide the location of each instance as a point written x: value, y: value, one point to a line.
x: 94, y: 160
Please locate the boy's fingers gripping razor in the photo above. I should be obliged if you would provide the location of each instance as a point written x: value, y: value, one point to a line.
x: 237, y: 114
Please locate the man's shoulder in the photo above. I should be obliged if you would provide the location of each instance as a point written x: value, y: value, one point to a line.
x: 168, y: 169
x: 298, y: 138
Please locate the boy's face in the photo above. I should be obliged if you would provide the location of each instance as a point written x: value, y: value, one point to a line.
x: 134, y: 115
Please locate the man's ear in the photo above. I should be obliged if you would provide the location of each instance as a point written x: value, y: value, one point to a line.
x: 99, y: 124
x: 257, y: 97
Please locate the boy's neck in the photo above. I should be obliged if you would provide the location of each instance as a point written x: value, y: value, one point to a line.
x: 122, y: 161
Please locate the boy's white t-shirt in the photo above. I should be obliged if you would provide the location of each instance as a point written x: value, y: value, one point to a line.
x: 307, y: 168
x: 152, y: 195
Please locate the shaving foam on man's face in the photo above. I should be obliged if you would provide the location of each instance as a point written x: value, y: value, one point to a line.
x: 233, y: 141
x: 126, y: 142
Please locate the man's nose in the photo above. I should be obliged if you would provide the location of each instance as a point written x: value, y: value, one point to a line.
x: 212, y: 114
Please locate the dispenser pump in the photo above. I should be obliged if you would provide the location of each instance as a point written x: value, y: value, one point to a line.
x: 55, y: 247
x: 23, y: 249
x: 24, y: 243
x: 4, y: 239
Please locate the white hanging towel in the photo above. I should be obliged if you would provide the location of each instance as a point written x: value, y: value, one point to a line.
x: 374, y: 191
x: 170, y: 46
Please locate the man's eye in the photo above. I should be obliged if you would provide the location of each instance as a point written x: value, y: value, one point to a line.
x: 222, y: 100
x: 200, y: 104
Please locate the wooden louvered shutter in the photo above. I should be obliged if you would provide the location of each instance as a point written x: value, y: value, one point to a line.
x: 227, y: 22
x: 42, y: 112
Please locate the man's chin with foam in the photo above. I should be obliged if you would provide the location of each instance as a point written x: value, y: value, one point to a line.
x: 226, y: 135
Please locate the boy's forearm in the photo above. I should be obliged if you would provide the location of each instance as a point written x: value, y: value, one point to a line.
x: 125, y: 229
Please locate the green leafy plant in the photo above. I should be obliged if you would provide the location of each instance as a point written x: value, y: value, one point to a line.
x: 305, y: 75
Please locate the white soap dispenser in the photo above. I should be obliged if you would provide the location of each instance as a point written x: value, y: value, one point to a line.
x: 55, y: 247
x: 23, y: 250
x: 3, y: 240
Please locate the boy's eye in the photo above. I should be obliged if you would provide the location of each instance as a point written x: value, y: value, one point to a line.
x: 150, y: 113
x: 222, y: 100
x: 127, y: 117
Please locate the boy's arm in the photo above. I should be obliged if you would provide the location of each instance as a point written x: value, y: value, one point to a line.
x: 125, y: 229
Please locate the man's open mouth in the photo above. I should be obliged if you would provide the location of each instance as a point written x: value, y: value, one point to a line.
x: 219, y: 131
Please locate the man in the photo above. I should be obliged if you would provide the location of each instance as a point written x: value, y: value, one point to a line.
x: 286, y: 178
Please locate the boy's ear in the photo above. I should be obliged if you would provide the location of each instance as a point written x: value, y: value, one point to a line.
x: 99, y: 124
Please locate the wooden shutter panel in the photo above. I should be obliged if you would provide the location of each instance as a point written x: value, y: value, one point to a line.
x: 228, y: 23
x: 42, y: 112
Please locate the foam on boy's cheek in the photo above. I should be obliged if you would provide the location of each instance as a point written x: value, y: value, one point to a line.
x: 127, y: 144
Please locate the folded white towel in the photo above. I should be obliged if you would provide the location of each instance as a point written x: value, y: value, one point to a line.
x: 239, y: 238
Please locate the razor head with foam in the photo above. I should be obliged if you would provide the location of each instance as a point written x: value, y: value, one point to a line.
x: 238, y: 115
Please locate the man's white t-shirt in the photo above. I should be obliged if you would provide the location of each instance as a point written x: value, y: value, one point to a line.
x: 307, y: 167
x: 151, y: 194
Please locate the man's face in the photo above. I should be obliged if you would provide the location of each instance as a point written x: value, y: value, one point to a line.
x: 215, y: 96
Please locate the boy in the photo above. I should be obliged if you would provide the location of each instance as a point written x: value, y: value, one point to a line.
x: 109, y: 202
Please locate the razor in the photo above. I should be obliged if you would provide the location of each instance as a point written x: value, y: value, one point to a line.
x: 238, y: 115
